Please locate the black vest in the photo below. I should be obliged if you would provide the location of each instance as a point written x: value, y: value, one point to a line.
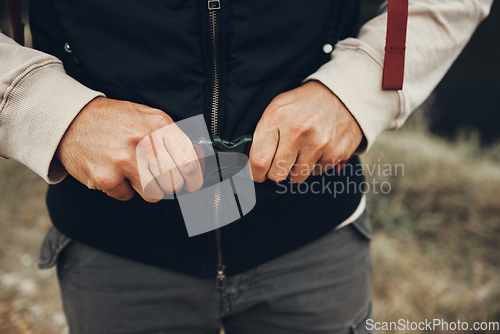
x: 161, y: 53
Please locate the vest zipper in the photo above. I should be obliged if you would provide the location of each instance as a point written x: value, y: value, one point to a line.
x: 213, y: 8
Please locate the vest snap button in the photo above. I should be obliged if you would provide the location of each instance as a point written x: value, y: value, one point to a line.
x: 67, y: 48
x: 327, y: 48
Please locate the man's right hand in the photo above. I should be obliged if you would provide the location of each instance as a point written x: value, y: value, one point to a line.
x: 100, y: 147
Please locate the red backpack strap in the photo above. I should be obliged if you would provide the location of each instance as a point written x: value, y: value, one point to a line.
x: 395, y: 48
x: 14, y: 8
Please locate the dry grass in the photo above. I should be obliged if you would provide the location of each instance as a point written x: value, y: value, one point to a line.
x: 435, y: 252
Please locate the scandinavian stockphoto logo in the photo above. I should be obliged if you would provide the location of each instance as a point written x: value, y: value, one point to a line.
x: 228, y: 192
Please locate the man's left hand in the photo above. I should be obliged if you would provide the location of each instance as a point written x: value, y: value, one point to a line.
x: 303, y: 131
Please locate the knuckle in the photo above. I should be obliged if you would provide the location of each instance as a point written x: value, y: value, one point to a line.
x: 139, y: 138
x: 258, y: 163
x: 122, y: 160
x: 160, y: 120
x: 277, y: 113
x: 331, y: 160
x: 282, y: 99
x: 189, y: 167
x: 124, y: 196
x: 302, y: 128
x: 107, y: 183
x: 277, y: 177
x: 322, y: 143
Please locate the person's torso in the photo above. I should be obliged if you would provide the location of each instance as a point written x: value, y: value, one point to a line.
x: 225, y: 59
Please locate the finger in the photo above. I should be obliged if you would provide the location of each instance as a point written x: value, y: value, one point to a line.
x: 151, y: 193
x: 183, y: 154
x: 122, y: 192
x: 144, y: 181
x: 163, y: 166
x: 285, y: 157
x: 305, y: 165
x: 264, y: 145
x: 325, y: 165
x: 335, y: 156
x: 112, y: 185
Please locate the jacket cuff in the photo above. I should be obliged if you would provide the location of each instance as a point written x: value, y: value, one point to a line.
x: 355, y: 78
x: 37, y: 110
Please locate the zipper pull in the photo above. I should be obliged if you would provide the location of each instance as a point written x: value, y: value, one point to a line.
x: 220, y: 280
x: 213, y: 4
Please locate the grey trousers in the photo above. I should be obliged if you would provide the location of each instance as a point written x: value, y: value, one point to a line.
x: 323, y: 287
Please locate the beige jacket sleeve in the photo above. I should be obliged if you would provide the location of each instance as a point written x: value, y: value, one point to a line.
x: 438, y: 30
x: 38, y: 102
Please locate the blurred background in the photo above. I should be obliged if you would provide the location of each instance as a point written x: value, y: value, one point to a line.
x: 435, y: 252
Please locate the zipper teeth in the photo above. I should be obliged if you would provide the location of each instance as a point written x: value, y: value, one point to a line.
x: 220, y: 263
x: 215, y: 74
x: 217, y: 201
x: 214, y: 129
